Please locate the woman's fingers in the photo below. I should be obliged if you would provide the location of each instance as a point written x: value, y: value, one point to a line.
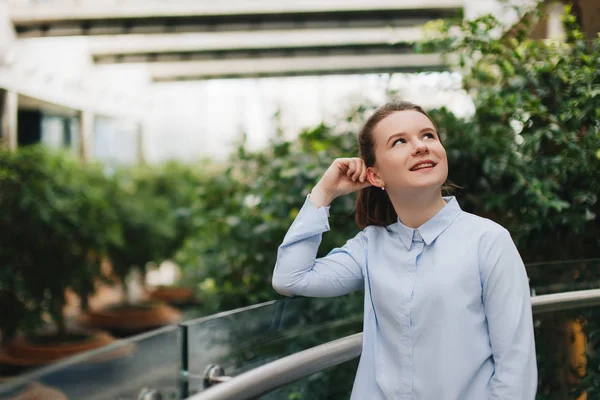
x: 351, y: 168
x: 363, y: 173
x: 355, y: 169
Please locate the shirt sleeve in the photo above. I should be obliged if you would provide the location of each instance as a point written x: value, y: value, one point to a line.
x: 507, y: 302
x: 299, y: 273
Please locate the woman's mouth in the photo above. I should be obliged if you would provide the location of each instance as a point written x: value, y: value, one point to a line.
x: 423, y: 165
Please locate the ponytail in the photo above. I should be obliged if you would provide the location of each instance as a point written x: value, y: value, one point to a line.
x: 374, y: 207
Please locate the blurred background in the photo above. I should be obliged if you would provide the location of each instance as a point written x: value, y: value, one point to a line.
x: 154, y: 153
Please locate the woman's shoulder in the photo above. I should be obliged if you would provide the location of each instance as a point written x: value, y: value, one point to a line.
x: 478, y: 224
x: 374, y: 231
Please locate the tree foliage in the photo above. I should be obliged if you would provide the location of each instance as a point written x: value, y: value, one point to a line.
x: 529, y: 157
x: 55, y: 225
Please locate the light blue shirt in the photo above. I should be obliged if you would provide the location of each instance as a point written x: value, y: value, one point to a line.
x: 447, y: 310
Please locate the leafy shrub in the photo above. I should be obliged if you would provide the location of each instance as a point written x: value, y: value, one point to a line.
x: 55, y: 226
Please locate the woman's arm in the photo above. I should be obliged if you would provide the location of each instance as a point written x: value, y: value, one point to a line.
x: 299, y: 273
x: 507, y: 302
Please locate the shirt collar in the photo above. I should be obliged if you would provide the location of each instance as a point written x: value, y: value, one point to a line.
x: 431, y: 229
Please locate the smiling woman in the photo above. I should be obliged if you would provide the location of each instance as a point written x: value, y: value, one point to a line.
x: 447, y: 312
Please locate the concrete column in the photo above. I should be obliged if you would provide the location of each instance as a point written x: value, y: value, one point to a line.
x: 141, y: 149
x: 555, y: 29
x: 86, y: 134
x: 8, y: 118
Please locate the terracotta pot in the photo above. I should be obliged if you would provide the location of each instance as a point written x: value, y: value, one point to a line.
x: 23, y: 353
x: 37, y: 391
x: 174, y: 295
x: 128, y: 319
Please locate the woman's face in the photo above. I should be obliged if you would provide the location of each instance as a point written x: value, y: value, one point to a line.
x: 409, y: 153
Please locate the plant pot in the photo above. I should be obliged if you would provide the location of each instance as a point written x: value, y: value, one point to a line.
x: 128, y: 319
x: 174, y: 295
x: 23, y: 353
x: 37, y: 391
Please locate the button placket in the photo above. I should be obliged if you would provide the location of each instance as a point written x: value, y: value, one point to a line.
x: 417, y: 246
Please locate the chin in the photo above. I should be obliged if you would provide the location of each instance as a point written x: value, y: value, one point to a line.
x: 428, y: 184
x: 418, y: 189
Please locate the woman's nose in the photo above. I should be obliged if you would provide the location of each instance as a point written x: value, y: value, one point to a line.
x: 420, y: 148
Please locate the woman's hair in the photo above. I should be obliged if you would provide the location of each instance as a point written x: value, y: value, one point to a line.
x: 373, y: 205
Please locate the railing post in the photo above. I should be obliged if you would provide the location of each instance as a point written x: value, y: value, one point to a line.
x: 278, y: 317
x: 184, y: 375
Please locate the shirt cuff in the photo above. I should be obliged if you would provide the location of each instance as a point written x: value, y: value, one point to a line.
x: 325, y: 208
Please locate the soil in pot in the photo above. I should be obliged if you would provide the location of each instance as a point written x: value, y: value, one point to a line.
x: 37, y: 391
x: 177, y: 296
x: 129, y: 319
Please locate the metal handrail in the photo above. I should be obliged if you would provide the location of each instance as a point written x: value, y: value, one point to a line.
x: 565, y: 301
x: 268, y: 377
x: 276, y: 374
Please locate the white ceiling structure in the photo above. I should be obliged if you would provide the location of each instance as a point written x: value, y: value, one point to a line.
x: 105, y: 55
x: 194, y: 40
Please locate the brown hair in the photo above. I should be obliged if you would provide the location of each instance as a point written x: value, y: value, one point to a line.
x: 373, y: 205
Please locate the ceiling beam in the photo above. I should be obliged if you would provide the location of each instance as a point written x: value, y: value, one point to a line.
x: 255, y: 53
x: 53, y: 10
x: 202, y: 46
x: 54, y: 18
x: 137, y: 44
x: 322, y: 65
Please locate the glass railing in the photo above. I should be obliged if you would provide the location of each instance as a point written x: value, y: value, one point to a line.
x: 237, y: 340
x: 564, y: 276
x: 117, y: 371
x: 242, y: 340
x: 568, y: 359
x: 332, y: 384
x: 568, y: 344
x: 567, y: 329
x: 173, y: 360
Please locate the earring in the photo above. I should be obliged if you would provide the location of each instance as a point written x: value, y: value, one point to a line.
x: 383, y: 188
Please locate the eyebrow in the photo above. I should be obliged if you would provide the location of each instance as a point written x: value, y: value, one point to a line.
x: 400, y: 134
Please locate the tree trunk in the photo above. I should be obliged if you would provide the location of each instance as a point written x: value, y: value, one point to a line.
x: 58, y: 304
x: 125, y: 289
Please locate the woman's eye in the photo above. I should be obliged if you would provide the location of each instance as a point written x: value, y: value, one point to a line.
x: 398, y: 141
x: 429, y: 135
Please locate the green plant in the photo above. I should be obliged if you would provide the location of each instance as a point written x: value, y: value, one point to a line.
x: 529, y: 157
x: 55, y: 225
x: 243, y: 214
x: 146, y: 224
x: 178, y: 184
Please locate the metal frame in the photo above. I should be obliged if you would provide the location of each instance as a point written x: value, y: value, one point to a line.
x: 269, y: 377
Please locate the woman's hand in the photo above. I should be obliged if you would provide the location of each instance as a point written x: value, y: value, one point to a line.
x: 344, y: 176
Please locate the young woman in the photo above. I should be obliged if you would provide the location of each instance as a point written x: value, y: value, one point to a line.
x: 447, y: 312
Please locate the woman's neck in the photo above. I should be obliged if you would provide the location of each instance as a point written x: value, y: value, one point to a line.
x: 416, y: 209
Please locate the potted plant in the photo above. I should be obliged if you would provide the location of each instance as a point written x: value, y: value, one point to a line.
x: 54, y: 227
x: 180, y: 186
x: 146, y: 225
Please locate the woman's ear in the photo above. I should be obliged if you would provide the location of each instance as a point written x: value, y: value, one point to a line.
x: 374, y: 178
